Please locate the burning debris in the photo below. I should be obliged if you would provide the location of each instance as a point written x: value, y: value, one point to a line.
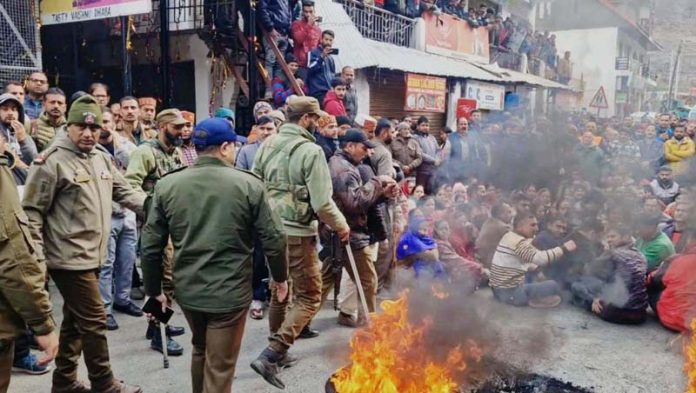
x: 690, y: 359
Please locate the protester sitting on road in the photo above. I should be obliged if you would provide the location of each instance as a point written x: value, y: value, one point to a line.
x: 461, y: 270
x: 613, y: 286
x: 653, y: 243
x: 515, y: 256
x: 418, y: 250
x: 672, y: 289
x: 493, y: 229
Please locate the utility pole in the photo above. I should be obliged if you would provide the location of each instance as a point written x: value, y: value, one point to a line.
x: 673, y: 76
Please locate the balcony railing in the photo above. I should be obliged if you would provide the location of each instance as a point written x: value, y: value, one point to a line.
x: 378, y: 24
x: 506, y: 58
x: 184, y: 15
x: 623, y: 63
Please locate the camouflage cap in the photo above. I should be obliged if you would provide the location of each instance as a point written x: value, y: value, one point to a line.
x: 85, y: 110
x: 172, y: 116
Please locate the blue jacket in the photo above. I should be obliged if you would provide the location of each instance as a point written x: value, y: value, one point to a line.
x: 321, y: 72
x: 275, y: 14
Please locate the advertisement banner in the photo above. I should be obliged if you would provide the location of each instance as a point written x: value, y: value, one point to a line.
x: 425, y: 93
x: 488, y: 95
x: 465, y: 106
x: 449, y: 36
x: 67, y: 11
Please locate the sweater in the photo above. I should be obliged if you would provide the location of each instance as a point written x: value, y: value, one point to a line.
x: 656, y: 249
x: 514, y: 256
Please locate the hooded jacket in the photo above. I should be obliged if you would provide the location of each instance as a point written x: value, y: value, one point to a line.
x: 334, y: 105
x: 25, y: 149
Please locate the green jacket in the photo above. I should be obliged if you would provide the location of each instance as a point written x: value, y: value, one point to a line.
x: 656, y: 250
x: 149, y: 162
x: 44, y: 132
x: 212, y: 212
x: 23, y: 300
x: 297, y: 177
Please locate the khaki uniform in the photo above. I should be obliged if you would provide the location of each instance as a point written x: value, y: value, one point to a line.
x: 148, y: 164
x: 299, y: 189
x: 23, y: 300
x: 68, y: 201
x: 212, y: 212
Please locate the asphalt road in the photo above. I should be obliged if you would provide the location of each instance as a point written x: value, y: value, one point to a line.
x: 579, y: 348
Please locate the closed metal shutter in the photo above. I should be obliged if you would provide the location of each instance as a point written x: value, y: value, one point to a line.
x: 388, y: 94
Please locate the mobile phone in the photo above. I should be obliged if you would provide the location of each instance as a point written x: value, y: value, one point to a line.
x: 319, y: 19
x: 154, y: 307
x: 334, y: 51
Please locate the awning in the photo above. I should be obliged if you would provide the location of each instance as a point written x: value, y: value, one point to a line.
x: 510, y: 76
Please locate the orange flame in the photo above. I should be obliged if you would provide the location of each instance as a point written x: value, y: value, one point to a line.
x: 690, y: 357
x: 391, y: 356
x: 439, y: 292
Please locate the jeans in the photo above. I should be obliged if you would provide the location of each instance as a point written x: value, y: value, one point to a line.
x: 116, y: 273
x: 587, y: 288
x: 272, y: 66
x: 521, y: 295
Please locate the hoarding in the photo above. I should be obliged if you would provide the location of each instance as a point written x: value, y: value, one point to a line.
x: 67, y: 11
x: 488, y: 96
x: 425, y: 93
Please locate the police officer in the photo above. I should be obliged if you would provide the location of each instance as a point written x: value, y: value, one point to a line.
x: 299, y: 189
x: 23, y: 300
x: 148, y: 163
x: 68, y: 202
x: 213, y: 212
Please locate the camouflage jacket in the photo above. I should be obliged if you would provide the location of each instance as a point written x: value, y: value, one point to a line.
x: 149, y: 162
x: 297, y: 178
x: 23, y: 300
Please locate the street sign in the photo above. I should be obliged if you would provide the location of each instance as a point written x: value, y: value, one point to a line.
x: 599, y: 100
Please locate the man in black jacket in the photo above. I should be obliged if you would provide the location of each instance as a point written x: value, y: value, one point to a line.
x: 354, y: 199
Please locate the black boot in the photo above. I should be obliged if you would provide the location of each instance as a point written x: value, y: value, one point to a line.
x: 308, y: 332
x: 267, y: 366
x: 173, y: 348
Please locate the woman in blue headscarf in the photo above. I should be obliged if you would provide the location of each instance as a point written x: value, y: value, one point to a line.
x: 417, y: 249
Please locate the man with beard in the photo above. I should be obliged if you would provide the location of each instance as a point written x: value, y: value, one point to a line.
x: 282, y: 88
x: 131, y: 126
x: 652, y: 149
x: 664, y: 187
x: 333, y: 101
x: 13, y: 132
x: 68, y: 203
x: 613, y: 286
x: 663, y: 125
x: 148, y: 164
x: 350, y: 101
x: 265, y: 127
x: 469, y: 156
x: 679, y: 150
x: 116, y: 273
x: 299, y: 189
x: 37, y: 84
x: 428, y: 144
x: 326, y: 135
x: 148, y: 109
x: 52, y: 120
x: 188, y: 150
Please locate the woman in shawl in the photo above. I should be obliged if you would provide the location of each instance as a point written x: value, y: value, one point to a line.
x: 458, y: 269
x: 417, y: 250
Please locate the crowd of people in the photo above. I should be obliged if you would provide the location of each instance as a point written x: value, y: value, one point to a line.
x: 596, y: 211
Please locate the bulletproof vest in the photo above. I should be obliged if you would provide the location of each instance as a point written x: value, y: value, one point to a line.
x: 291, y: 201
x: 164, y: 163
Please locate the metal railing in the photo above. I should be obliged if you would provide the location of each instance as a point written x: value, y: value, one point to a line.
x: 184, y: 15
x: 506, y: 58
x: 380, y: 25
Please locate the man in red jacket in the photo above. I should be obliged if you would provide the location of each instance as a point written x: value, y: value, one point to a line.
x: 333, y: 102
x: 672, y: 290
x: 305, y: 32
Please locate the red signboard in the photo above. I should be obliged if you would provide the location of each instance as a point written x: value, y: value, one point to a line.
x: 450, y: 36
x: 425, y: 93
x: 464, y: 107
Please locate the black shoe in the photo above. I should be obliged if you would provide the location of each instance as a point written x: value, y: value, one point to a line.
x: 130, y: 309
x: 111, y: 322
x: 173, y: 331
x: 266, y: 367
x: 287, y: 361
x: 137, y: 293
x: 173, y: 347
x: 308, y: 332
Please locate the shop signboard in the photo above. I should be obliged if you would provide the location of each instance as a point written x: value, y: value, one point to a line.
x: 465, y: 106
x: 425, y: 93
x: 67, y: 11
x: 488, y: 95
x: 449, y: 36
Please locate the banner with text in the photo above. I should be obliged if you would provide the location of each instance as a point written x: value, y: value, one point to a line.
x: 487, y: 95
x: 67, y: 11
x: 449, y: 36
x: 425, y: 93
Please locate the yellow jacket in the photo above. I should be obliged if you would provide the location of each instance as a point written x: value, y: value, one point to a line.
x: 678, y: 152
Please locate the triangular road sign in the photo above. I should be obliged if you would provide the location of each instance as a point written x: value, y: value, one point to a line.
x: 600, y: 99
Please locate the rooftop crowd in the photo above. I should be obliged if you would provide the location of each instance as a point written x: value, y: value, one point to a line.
x: 597, y: 212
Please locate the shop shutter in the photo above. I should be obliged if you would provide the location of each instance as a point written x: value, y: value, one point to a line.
x: 388, y: 94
